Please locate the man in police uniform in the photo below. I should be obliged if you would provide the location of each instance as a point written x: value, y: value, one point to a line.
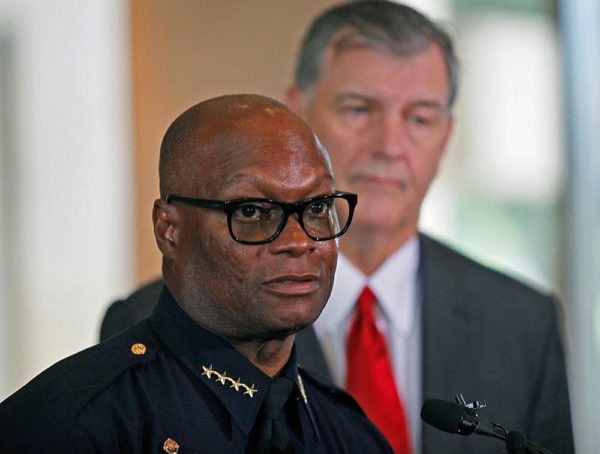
x: 247, y: 213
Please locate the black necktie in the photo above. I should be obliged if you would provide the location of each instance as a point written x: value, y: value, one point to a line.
x: 272, y: 432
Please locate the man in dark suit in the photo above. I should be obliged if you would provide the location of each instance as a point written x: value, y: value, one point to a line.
x: 377, y: 81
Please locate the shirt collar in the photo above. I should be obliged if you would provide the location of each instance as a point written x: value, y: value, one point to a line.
x: 393, y: 283
x: 233, y: 379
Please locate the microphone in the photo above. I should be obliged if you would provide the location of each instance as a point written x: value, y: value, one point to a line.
x: 455, y: 418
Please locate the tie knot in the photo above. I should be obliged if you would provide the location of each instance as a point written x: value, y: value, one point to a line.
x: 366, y: 301
x: 276, y: 397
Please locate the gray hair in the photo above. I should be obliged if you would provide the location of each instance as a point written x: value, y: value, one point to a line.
x: 383, y: 24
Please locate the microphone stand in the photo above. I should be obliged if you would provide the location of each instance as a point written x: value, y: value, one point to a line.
x: 515, y: 441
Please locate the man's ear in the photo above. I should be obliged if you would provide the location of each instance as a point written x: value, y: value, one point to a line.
x: 166, y: 227
x: 295, y: 99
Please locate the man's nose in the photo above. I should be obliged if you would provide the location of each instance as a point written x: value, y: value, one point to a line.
x: 391, y: 137
x: 292, y: 239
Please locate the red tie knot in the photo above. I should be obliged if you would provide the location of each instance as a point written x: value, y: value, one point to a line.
x: 366, y: 301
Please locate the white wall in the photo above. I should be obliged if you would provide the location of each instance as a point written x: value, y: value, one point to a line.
x: 66, y: 212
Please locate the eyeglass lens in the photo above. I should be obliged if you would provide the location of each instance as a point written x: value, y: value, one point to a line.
x: 258, y: 221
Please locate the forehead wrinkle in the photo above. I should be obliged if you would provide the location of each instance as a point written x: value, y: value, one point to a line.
x: 237, y: 179
x: 268, y: 187
x: 302, y: 149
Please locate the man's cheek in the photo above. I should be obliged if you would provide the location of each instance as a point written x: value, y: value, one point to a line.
x: 240, y: 268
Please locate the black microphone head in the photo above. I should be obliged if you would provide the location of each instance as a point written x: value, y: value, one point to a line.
x: 442, y: 415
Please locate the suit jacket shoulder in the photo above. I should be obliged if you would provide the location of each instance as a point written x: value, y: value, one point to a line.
x: 444, y: 270
x: 122, y: 314
x: 310, y: 355
x: 491, y: 337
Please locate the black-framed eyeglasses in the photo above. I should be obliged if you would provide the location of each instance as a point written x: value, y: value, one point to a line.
x: 258, y: 221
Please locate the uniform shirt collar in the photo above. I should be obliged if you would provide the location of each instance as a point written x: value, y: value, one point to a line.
x: 233, y: 379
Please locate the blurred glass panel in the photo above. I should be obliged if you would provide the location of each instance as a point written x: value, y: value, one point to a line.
x: 498, y: 195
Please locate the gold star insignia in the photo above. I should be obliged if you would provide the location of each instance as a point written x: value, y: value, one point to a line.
x: 250, y: 391
x: 208, y: 371
x: 223, y: 377
x: 236, y: 384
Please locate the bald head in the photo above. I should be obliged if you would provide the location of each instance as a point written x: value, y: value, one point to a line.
x: 212, y: 135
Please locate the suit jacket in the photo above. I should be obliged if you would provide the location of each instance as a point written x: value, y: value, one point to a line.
x: 485, y: 336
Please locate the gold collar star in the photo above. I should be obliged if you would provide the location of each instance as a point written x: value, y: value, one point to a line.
x: 236, y: 384
x: 208, y: 371
x: 223, y: 378
x: 249, y: 390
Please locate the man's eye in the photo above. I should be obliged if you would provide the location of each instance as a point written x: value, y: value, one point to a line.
x: 424, y: 118
x: 256, y: 213
x: 356, y: 110
x: 249, y: 212
x: 420, y: 120
x: 319, y: 208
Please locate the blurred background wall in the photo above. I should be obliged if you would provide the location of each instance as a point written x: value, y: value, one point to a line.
x: 66, y: 174
x: 88, y: 87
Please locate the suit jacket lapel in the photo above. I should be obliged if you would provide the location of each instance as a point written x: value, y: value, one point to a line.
x: 444, y: 315
x: 310, y: 354
x: 446, y: 322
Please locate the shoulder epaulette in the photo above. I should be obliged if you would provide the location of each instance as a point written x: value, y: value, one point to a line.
x: 111, y: 358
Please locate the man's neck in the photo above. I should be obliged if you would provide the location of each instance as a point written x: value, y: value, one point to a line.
x: 367, y: 249
x: 269, y: 356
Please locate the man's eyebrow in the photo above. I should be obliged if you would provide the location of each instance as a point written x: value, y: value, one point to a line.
x: 354, y: 96
x: 428, y: 104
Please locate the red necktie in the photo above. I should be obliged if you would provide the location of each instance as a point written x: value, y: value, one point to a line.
x: 370, y: 378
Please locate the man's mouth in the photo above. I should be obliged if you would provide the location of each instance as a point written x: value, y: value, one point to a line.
x: 293, y: 284
x: 396, y: 182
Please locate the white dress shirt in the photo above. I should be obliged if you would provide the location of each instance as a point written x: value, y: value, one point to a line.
x: 397, y: 315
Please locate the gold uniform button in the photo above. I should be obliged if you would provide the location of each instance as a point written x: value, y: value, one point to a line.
x: 170, y: 446
x: 138, y: 349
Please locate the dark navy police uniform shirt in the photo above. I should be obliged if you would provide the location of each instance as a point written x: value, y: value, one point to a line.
x: 168, y: 385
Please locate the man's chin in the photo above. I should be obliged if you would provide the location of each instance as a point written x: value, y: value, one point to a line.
x: 291, y: 326
x: 385, y: 218
x: 297, y: 325
x: 279, y: 333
